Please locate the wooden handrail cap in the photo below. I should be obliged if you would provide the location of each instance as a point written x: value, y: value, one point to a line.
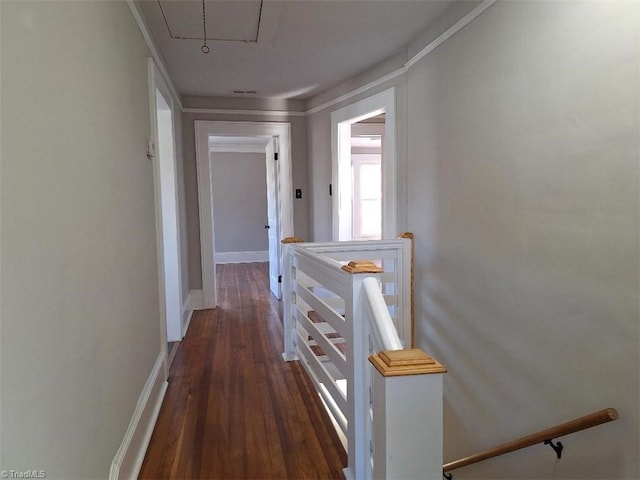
x: 362, y: 266
x: 413, y: 361
x: 292, y: 240
x: 408, y: 235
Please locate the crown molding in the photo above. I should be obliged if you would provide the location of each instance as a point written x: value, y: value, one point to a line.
x: 431, y: 46
x: 153, y: 48
x: 449, y: 32
x: 357, y: 91
x: 452, y: 30
x: 231, y: 111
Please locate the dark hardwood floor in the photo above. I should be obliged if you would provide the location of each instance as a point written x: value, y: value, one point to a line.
x: 234, y: 409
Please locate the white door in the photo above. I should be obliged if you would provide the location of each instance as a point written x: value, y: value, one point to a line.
x: 272, y: 225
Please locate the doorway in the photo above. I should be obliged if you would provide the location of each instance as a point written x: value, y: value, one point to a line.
x: 245, y: 187
x: 352, y: 196
x: 279, y: 188
x: 367, y: 140
x: 162, y: 152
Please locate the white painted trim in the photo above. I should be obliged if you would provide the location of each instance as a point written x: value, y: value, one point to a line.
x: 167, y: 212
x: 230, y: 111
x: 341, y: 121
x: 452, y: 30
x: 358, y: 91
x: 195, y: 300
x: 242, y: 257
x: 235, y: 149
x: 151, y: 71
x: 144, y: 30
x: 186, y: 321
x: 187, y: 313
x: 128, y: 460
x: 206, y: 128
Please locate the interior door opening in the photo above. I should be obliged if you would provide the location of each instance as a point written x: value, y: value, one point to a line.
x: 280, y: 194
x: 367, y: 138
x: 245, y: 192
x: 363, y: 178
x: 166, y: 163
x: 165, y: 178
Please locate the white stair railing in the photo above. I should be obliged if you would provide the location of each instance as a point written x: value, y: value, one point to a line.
x: 385, y: 336
x: 336, y: 315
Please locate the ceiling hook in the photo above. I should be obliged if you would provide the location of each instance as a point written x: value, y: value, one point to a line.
x: 204, y: 48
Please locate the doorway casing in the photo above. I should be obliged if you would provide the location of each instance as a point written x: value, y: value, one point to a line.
x: 163, y: 154
x: 203, y: 130
x: 341, y: 122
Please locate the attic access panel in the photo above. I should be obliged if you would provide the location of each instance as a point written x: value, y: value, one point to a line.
x: 226, y: 20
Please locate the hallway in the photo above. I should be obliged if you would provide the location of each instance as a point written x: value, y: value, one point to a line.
x: 234, y: 408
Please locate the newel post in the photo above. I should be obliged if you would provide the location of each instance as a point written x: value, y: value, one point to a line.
x: 407, y: 415
x: 409, y: 259
x: 289, y: 300
x: 357, y: 337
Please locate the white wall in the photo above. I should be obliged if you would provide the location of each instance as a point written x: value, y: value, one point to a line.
x: 79, y: 300
x: 523, y: 196
x: 521, y: 182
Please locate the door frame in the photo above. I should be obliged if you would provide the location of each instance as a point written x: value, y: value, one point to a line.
x: 167, y: 313
x: 341, y: 121
x: 203, y: 130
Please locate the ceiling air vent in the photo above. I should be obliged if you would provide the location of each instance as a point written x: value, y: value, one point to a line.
x: 244, y: 91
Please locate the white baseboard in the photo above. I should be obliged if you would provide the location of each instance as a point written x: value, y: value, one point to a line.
x: 195, y: 299
x: 187, y: 313
x: 186, y: 320
x: 128, y: 459
x: 242, y: 257
x: 191, y: 303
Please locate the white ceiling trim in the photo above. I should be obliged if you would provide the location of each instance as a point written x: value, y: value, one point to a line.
x: 452, y: 30
x: 137, y: 16
x: 230, y: 111
x: 238, y: 144
x: 358, y: 91
x: 235, y: 149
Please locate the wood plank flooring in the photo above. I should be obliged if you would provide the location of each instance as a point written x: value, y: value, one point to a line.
x: 234, y: 409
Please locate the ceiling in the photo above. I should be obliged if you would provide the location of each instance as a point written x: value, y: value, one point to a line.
x: 281, y: 49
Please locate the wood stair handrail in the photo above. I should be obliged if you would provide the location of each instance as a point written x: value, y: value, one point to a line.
x: 572, y: 426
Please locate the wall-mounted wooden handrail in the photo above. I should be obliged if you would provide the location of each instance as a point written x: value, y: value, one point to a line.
x: 582, y: 423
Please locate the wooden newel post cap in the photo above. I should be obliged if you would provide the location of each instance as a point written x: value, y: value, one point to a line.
x: 413, y: 361
x: 408, y: 235
x: 292, y: 240
x: 362, y: 266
